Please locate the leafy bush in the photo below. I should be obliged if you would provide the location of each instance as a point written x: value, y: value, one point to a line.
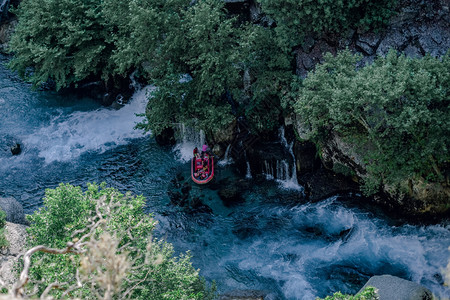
x: 68, y: 210
x: 3, y: 241
x: 66, y: 41
x: 368, y: 293
x: 296, y: 18
x: 2, y: 218
x: 395, y: 110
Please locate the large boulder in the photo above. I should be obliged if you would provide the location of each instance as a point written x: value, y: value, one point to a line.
x: 14, y: 210
x: 391, y: 287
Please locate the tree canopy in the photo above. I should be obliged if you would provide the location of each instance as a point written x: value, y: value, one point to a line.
x: 150, y: 270
x: 396, y: 109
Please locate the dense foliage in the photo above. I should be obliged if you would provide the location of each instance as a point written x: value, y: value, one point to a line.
x: 3, y: 240
x: 296, y: 18
x: 68, y: 209
x: 396, y: 110
x: 368, y: 293
x: 209, y: 68
x: 65, y: 41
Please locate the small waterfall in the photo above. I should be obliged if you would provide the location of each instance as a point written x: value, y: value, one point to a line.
x: 268, y: 171
x: 134, y: 83
x: 283, y: 172
x: 226, y: 160
x: 248, y: 174
x: 188, y: 138
x: 291, y: 181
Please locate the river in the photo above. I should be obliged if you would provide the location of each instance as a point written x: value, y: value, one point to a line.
x: 274, y: 241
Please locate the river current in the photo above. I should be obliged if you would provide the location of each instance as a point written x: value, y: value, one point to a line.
x: 273, y: 241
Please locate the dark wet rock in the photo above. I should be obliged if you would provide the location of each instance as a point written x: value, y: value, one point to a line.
x: 308, y: 44
x: 196, y: 205
x: 231, y: 195
x: 392, y: 287
x: 345, y: 234
x: 175, y: 197
x: 264, y: 157
x: 418, y: 27
x: 166, y: 137
x: 318, y: 231
x: 16, y: 149
x: 248, y: 295
x: 307, y: 160
x: 412, y: 51
x: 10, y: 144
x: 186, y: 188
x: 368, y: 42
x: 324, y: 183
x: 14, y: 210
x: 395, y: 39
x: 434, y: 39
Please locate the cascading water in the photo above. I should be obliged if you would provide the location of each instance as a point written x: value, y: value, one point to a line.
x: 67, y: 136
x: 272, y: 241
x: 226, y: 157
x: 188, y: 138
x: 284, y: 173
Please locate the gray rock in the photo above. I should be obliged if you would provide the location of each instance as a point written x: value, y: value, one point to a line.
x: 391, y: 287
x: 368, y: 42
x: 14, y: 210
x: 16, y: 236
x: 412, y: 51
x: 395, y: 39
x: 435, y: 39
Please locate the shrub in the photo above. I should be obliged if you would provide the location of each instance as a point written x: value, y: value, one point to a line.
x: 296, y: 18
x: 369, y: 293
x: 3, y: 241
x: 149, y: 269
x: 394, y: 111
x: 2, y: 218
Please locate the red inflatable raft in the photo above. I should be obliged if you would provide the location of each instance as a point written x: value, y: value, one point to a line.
x: 202, y: 170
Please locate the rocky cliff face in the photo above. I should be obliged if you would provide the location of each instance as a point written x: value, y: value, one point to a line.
x: 419, y: 28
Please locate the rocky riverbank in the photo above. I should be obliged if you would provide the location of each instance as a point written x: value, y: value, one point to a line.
x: 16, y: 236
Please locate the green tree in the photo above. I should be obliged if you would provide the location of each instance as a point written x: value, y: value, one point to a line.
x: 65, y: 41
x: 68, y: 210
x: 203, y: 50
x: 296, y: 18
x: 396, y: 110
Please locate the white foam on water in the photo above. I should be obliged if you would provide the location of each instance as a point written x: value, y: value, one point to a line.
x: 69, y: 136
x: 227, y: 159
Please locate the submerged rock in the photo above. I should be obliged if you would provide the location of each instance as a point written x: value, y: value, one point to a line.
x: 231, y: 195
x: 391, y: 287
